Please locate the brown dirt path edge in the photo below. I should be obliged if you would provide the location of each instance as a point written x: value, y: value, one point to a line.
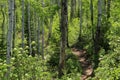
x: 86, y: 65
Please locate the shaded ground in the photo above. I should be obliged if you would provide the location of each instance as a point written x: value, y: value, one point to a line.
x: 87, y: 68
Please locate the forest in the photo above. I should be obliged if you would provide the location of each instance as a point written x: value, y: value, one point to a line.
x: 59, y: 39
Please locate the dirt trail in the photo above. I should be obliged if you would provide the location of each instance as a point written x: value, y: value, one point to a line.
x: 86, y: 65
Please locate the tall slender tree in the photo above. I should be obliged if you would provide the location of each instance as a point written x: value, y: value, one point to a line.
x: 38, y: 36
x: 9, y: 35
x: 92, y: 23
x: 23, y: 24
x: 108, y: 8
x: 105, y: 41
x: 98, y: 34
x: 29, y: 29
x: 42, y: 23
x: 81, y: 20
x: 43, y: 42
x: 14, y: 24
x: 73, y: 9
x: 91, y: 11
x: 63, y: 29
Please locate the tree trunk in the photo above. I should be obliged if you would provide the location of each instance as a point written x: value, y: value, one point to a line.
x: 9, y: 36
x: 63, y: 28
x: 29, y: 30
x: 108, y: 8
x: 43, y: 39
x: 80, y: 9
x: 23, y: 24
x: 34, y: 47
x: 98, y: 35
x: 42, y: 23
x: 91, y: 11
x: 14, y: 25
x: 38, y: 37
x: 92, y: 23
x: 73, y: 9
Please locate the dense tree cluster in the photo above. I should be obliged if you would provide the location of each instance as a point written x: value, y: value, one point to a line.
x: 59, y: 39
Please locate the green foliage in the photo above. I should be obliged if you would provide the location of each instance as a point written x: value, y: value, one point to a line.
x: 71, y: 76
x: 72, y: 66
x: 109, y: 66
x: 25, y: 67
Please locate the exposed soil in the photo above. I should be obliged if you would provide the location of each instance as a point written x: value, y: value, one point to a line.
x: 86, y: 65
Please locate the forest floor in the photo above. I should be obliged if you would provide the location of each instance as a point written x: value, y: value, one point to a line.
x: 86, y: 65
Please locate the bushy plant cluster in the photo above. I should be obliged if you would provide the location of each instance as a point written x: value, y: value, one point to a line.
x: 24, y: 67
x: 109, y: 66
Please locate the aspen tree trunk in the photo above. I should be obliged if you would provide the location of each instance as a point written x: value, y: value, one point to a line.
x: 23, y: 24
x: 43, y: 39
x: 59, y: 12
x: 14, y: 24
x: 107, y: 25
x: 80, y: 34
x: 108, y: 8
x: 34, y: 47
x: 9, y: 36
x: 42, y: 23
x: 98, y: 34
x: 91, y: 11
x: 63, y: 28
x: 35, y: 24
x: 38, y: 37
x: 105, y: 7
x: 92, y: 23
x: 73, y: 9
x: 29, y: 29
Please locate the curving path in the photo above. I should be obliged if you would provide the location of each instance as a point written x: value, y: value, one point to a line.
x: 87, y: 68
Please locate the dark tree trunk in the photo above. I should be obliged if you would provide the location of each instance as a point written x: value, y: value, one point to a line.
x: 108, y: 8
x: 14, y: 26
x: 43, y: 42
x: 38, y: 37
x: 91, y: 11
x: 29, y: 30
x: 23, y: 14
x: 80, y: 16
x: 63, y: 28
x: 9, y: 36
x: 73, y: 9
x: 98, y: 35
